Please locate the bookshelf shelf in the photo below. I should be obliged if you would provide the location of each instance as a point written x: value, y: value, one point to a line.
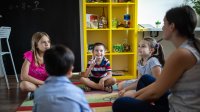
x: 111, y: 37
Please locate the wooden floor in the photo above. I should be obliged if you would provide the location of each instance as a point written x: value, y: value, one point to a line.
x: 10, y: 99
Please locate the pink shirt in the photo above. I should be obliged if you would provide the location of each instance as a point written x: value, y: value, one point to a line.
x: 37, y: 72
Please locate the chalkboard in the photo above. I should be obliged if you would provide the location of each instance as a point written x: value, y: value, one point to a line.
x: 59, y: 18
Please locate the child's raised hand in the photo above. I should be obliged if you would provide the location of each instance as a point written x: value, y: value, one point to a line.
x: 93, y: 62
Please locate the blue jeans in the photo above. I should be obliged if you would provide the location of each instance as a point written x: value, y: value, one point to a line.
x: 127, y: 104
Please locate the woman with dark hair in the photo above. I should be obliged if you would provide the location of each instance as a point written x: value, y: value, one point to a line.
x: 180, y: 73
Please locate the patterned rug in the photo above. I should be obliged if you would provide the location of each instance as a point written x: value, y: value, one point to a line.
x: 99, y: 101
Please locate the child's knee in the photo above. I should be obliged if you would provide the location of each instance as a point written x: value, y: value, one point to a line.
x: 83, y: 79
x: 114, y: 80
x: 120, y: 86
x: 27, y: 86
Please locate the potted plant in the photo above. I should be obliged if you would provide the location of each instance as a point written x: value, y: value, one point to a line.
x: 195, y: 4
x: 157, y: 23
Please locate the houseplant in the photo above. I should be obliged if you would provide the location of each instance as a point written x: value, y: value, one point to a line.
x: 195, y: 4
x: 157, y: 23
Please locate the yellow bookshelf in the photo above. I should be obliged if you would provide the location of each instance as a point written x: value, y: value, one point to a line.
x: 120, y: 61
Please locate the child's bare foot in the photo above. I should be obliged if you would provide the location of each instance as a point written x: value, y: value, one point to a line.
x: 108, y: 89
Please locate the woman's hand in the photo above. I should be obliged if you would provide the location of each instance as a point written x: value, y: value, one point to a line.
x: 121, y: 93
x: 130, y: 93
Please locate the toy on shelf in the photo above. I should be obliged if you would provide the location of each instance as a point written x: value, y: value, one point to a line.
x: 92, y: 21
x: 127, y: 20
x: 126, y: 46
x: 118, y: 48
x: 90, y: 47
x: 114, y: 23
x: 103, y: 23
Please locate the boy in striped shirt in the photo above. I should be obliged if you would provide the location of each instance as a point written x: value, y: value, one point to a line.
x: 98, y: 74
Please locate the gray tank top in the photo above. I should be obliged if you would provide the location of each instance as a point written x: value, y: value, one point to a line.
x: 185, y: 94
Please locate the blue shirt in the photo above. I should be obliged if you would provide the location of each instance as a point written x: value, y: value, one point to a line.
x: 58, y: 94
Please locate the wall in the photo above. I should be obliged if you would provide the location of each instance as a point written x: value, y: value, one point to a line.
x: 150, y: 11
x: 59, y: 18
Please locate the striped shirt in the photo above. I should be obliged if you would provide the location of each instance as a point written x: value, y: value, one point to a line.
x: 100, y: 70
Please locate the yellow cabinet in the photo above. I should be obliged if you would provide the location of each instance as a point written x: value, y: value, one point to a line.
x: 119, y: 37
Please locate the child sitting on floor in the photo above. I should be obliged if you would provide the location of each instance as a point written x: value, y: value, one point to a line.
x: 58, y: 94
x: 98, y: 74
x: 151, y: 63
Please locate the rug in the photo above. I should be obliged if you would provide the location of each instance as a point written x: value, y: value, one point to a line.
x: 99, y: 101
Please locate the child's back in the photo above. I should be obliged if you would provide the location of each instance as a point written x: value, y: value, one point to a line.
x: 58, y: 94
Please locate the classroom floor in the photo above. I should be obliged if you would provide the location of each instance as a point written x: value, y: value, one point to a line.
x: 11, y: 99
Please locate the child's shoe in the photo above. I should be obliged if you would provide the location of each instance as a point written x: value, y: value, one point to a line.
x: 30, y: 96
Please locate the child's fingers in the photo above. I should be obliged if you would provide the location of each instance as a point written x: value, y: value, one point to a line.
x: 92, y: 57
x: 95, y: 58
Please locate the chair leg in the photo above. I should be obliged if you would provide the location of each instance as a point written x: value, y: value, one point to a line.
x: 12, y: 62
x: 4, y: 72
x: 14, y: 68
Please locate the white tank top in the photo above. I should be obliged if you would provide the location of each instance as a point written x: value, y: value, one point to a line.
x: 185, y: 94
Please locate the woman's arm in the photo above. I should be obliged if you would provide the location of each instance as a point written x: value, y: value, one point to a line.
x: 130, y: 87
x: 24, y: 74
x: 178, y: 62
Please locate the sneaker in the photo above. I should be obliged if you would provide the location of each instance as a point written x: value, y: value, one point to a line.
x: 30, y: 95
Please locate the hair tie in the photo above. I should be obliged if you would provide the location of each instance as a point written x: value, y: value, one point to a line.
x: 157, y: 45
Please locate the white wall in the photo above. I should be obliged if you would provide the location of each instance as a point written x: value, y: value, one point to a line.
x: 150, y: 11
